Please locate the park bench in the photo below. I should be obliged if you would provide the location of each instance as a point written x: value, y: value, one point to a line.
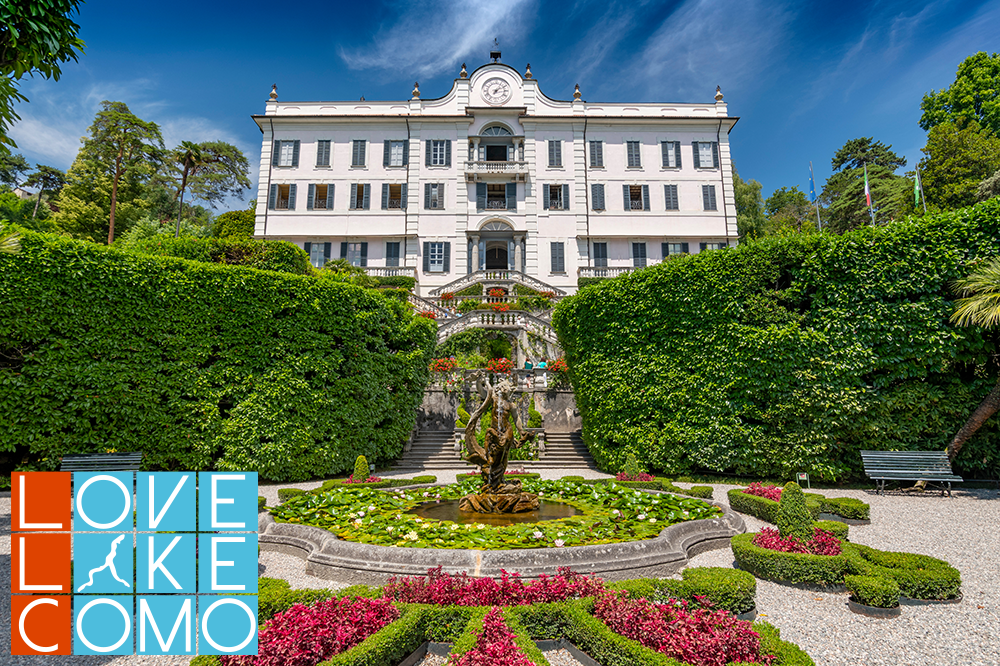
x: 126, y: 461
x: 932, y: 467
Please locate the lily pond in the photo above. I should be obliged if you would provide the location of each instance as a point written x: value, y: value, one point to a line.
x: 608, y: 513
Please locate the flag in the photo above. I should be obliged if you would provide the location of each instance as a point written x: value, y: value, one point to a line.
x: 916, y: 189
x: 868, y: 193
x: 812, y: 184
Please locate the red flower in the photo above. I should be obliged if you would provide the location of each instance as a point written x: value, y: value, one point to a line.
x: 822, y: 543
x: 444, y: 364
x: 500, y: 307
x: 558, y: 365
x: 460, y: 590
x: 497, y: 292
x: 447, y: 296
x: 768, y: 492
x: 500, y: 365
x: 429, y: 314
x: 641, y: 476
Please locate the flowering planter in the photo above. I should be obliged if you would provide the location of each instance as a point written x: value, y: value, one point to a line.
x: 873, y: 611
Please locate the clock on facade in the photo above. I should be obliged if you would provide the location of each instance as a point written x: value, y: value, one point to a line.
x: 496, y: 91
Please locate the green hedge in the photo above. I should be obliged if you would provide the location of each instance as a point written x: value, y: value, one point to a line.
x: 788, y: 567
x: 392, y: 643
x: 873, y: 591
x: 846, y: 507
x: 195, y: 364
x: 704, y: 492
x: 788, y: 354
x: 424, y: 478
x: 727, y: 589
x: 517, y: 477
x: 233, y: 223
x: 766, y: 509
x: 261, y: 503
x: 918, y: 576
x: 835, y: 527
x: 279, y: 256
x: 397, y: 281
x: 276, y: 596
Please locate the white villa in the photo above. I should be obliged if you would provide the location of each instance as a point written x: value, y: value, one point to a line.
x: 496, y: 176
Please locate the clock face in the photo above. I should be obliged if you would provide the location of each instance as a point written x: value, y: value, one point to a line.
x: 496, y: 91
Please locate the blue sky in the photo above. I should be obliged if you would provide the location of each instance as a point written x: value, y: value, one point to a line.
x: 803, y: 77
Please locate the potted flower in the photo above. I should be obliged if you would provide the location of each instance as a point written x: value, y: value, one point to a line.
x: 428, y: 314
x: 500, y: 366
x: 500, y: 307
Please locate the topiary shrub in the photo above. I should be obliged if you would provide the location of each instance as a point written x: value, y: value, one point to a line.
x: 873, y: 591
x: 788, y: 567
x: 233, y: 223
x: 632, y: 467
x: 793, y: 519
x: 834, y: 527
x: 261, y: 503
x: 463, y: 416
x: 727, y: 589
x: 361, y: 469
x: 846, y: 507
x: 534, y: 416
x: 918, y: 576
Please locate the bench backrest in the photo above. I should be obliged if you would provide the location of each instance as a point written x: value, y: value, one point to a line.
x: 127, y: 461
x: 927, y: 462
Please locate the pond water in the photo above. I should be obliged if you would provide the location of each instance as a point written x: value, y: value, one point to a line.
x: 448, y: 510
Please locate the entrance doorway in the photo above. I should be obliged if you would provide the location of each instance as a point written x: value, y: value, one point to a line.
x: 496, y: 258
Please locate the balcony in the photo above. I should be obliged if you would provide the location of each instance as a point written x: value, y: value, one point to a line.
x: 484, y: 170
x: 604, y: 271
x: 391, y: 271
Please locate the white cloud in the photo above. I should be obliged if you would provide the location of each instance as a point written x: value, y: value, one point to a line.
x: 434, y: 37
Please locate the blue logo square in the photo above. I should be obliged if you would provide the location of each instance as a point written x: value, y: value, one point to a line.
x: 227, y: 563
x: 102, y: 501
x: 165, y: 501
x: 102, y: 625
x: 227, y: 625
x: 165, y: 563
x: 227, y: 501
x: 165, y: 624
x: 102, y: 563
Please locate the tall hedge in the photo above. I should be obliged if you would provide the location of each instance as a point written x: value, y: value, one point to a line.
x: 234, y: 250
x: 788, y: 354
x: 195, y: 364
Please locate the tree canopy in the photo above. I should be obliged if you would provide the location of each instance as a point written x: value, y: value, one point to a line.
x: 856, y: 153
x: 749, y: 208
x: 974, y: 96
x: 12, y: 169
x: 788, y: 212
x: 957, y: 159
x: 844, y: 194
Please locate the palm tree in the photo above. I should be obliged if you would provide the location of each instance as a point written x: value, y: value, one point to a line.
x: 980, y: 306
x: 190, y: 157
x: 10, y: 241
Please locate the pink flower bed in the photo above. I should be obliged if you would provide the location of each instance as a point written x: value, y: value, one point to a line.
x: 641, y: 476
x: 370, y: 479
x: 446, y: 589
x: 307, y: 635
x: 822, y: 543
x: 698, y: 636
x: 495, y: 646
x: 769, y: 492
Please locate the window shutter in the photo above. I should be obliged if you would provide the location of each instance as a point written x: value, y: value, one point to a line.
x: 703, y: 246
x: 559, y: 153
x: 552, y: 153
x: 677, y: 154
x: 670, y: 197
x: 440, y: 195
x: 565, y: 197
x: 427, y: 195
x: 593, y: 154
x: 291, y: 197
x: 386, y: 150
x: 715, y: 154
x: 354, y: 196
x: 307, y: 247
x: 343, y: 250
x: 403, y: 196
x: 385, y: 196
x: 704, y: 197
x: 329, y: 196
x: 545, y: 196
x: 427, y: 153
x: 664, y: 250
x: 597, y: 196
x: 447, y: 161
x: 711, y: 196
x: 312, y: 195
x: 628, y: 206
x: 326, y: 252
x: 645, y: 197
x: 367, y: 197
x: 322, y: 153
x: 406, y: 152
x: 684, y: 248
x: 665, y: 153
x: 273, y: 197
x: 447, y: 257
x: 295, y: 153
x: 275, y: 152
x: 361, y: 152
x: 480, y: 196
x: 427, y: 257
x: 355, y: 153
x: 364, y: 254
x: 511, y: 196
x: 697, y: 158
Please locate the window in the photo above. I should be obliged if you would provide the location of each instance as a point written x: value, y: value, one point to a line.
x: 597, y: 196
x: 671, y: 152
x: 600, y: 254
x: 498, y: 153
x: 555, y: 197
x: 319, y: 253
x: 633, y: 153
x: 320, y: 197
x: 596, y: 154
x: 434, y: 195
x: 355, y: 253
x: 392, y: 253
x: 285, y: 153
x: 670, y: 249
x: 708, y: 197
x: 282, y: 197
x: 393, y: 196
x: 496, y: 131
x: 558, y: 257
x: 395, y: 153
x: 638, y: 254
x: 636, y: 197
x: 360, y: 196
x: 670, y: 197
x: 438, y: 153
x: 713, y: 246
x: 496, y: 197
x: 358, y: 153
x: 555, y: 153
x: 323, y: 152
x: 437, y: 257
x: 706, y: 155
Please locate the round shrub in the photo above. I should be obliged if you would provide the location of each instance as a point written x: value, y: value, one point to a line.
x: 361, y: 469
x: 873, y: 591
x: 233, y: 223
x: 918, y: 576
x: 631, y: 467
x: 788, y: 567
x: 793, y: 519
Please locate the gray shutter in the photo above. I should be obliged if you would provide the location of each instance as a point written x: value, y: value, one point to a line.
x: 329, y: 196
x: 273, y: 197
x: 552, y: 153
x: 291, y: 197
x: 665, y: 153
x: 295, y: 153
x: 703, y: 246
x: 697, y: 159
x: 312, y: 195
x: 427, y: 257
x: 545, y: 196
x: 645, y: 197
x: 307, y: 248
x: 354, y: 196
x: 275, y: 152
x: 343, y: 250
x: 427, y: 154
x: 511, y: 196
x: 326, y: 252
x: 670, y: 197
x: 386, y: 150
x: 565, y: 201
x: 447, y: 159
x: 367, y: 197
x: 322, y: 153
x: 364, y: 254
x: 597, y: 195
x: 403, y: 196
x: 427, y: 195
x: 664, y: 250
x: 385, y: 196
x: 355, y: 156
x: 480, y: 196
x: 711, y: 196
x: 406, y: 152
x: 684, y: 248
x: 677, y: 154
x: 447, y: 257
x: 715, y: 154
x: 361, y: 152
x: 625, y: 194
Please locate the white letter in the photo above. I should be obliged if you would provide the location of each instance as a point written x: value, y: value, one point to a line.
x: 216, y: 525
x: 34, y: 526
x: 20, y: 624
x: 158, y: 564
x: 246, y: 641
x: 25, y: 586
x: 223, y: 563
x: 153, y: 522
x: 146, y: 614
x: 125, y: 491
x: 125, y: 614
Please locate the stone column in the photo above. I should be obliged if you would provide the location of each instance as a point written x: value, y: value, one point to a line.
x: 518, y: 254
x: 475, y: 253
x: 475, y: 148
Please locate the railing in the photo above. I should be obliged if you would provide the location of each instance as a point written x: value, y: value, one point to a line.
x: 604, y: 271
x: 496, y: 204
x: 491, y: 167
x: 391, y: 271
x: 319, y: 204
x: 395, y: 203
x: 496, y: 276
x: 423, y: 304
x: 635, y: 205
x: 555, y: 204
x: 281, y: 204
x: 526, y: 381
x: 498, y: 320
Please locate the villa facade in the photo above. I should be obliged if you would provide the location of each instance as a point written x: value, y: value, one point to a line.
x: 496, y: 176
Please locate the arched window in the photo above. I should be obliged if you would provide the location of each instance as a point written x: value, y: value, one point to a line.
x: 496, y: 130
x: 496, y: 225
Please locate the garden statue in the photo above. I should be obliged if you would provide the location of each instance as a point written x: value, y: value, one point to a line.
x: 496, y: 495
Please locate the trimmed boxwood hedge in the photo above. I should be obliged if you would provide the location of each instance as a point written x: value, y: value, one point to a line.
x: 285, y: 494
x: 280, y: 256
x: 873, y: 591
x: 767, y: 509
x: 788, y: 567
x: 514, y: 477
x: 846, y: 507
x: 261, y: 503
x: 728, y: 589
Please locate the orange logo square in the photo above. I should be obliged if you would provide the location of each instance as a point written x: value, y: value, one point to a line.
x: 41, y: 501
x: 40, y: 563
x: 41, y: 625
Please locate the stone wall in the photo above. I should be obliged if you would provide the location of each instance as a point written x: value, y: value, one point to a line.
x: 557, y: 407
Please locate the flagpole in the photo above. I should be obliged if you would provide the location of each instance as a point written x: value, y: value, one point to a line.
x: 920, y: 184
x: 868, y: 196
x: 812, y: 181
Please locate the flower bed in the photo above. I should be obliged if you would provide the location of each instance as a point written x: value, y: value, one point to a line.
x: 500, y: 307
x: 822, y: 543
x: 500, y: 365
x: 428, y: 314
x: 611, y: 514
x: 461, y: 590
x: 370, y: 479
x: 444, y: 364
x: 495, y: 645
x: 772, y: 493
x: 761, y: 501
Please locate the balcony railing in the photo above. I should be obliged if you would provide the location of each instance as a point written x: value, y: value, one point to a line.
x: 395, y: 203
x: 476, y: 169
x: 604, y: 271
x: 319, y: 204
x: 496, y: 204
x: 635, y: 205
x: 391, y: 271
x: 555, y: 204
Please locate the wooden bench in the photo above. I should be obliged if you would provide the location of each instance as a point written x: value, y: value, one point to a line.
x: 933, y: 467
x: 126, y: 461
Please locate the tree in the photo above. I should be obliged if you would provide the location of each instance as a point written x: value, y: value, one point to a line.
x: 979, y: 306
x: 36, y: 37
x: 749, y: 208
x: 989, y: 188
x: 10, y: 241
x: 125, y: 145
x: 12, y: 169
x: 844, y: 190
x: 234, y: 223
x: 213, y: 169
x: 974, y: 96
x: 46, y: 178
x: 957, y: 159
x: 788, y: 211
x: 84, y: 202
x: 856, y: 153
